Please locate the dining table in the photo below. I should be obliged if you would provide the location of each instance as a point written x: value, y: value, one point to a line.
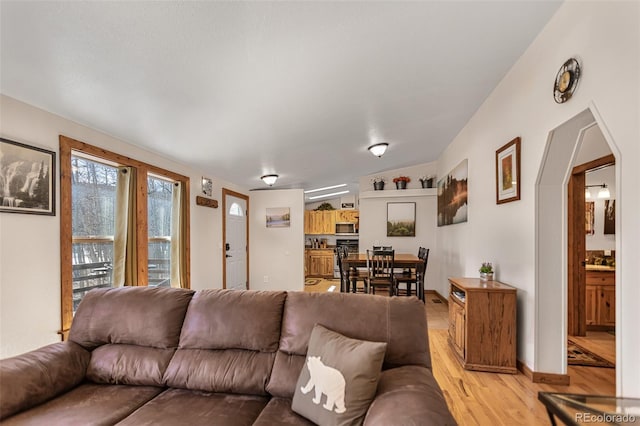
x: 400, y: 260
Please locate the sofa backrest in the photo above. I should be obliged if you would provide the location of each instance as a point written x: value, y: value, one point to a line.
x: 399, y: 321
x: 229, y: 341
x: 132, y: 332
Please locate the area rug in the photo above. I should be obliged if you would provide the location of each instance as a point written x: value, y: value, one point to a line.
x: 312, y: 281
x: 577, y: 355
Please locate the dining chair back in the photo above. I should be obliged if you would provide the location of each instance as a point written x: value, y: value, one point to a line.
x: 380, y: 264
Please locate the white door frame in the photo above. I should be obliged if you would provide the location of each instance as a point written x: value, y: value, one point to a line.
x: 226, y: 192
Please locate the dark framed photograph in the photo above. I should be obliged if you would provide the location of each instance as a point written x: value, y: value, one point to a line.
x: 401, y: 219
x: 609, y: 217
x: 508, y: 172
x: 27, y: 179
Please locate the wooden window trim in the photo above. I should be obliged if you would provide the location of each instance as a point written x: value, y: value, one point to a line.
x: 67, y: 147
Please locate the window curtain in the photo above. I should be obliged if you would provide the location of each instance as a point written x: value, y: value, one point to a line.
x: 179, y: 273
x: 125, y: 271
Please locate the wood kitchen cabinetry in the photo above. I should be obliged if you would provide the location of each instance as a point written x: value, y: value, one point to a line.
x: 482, y: 324
x: 347, y: 216
x: 321, y: 222
x: 319, y: 262
x: 601, y: 300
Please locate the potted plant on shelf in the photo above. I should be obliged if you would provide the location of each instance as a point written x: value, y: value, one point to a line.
x: 427, y: 181
x: 486, y: 271
x: 401, y: 182
x: 378, y: 183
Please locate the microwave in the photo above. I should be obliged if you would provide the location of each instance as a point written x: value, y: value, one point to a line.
x: 346, y: 228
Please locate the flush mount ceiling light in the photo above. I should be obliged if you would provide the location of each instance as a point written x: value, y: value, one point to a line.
x: 603, y: 193
x: 269, y: 179
x: 378, y: 149
x: 325, y: 188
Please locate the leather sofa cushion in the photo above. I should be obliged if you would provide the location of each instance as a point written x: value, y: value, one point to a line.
x: 140, y: 316
x: 193, y: 408
x: 37, y: 376
x: 230, y: 371
x: 222, y: 319
x: 129, y: 365
x: 286, y: 370
x: 278, y: 412
x: 88, y: 404
x: 396, y: 320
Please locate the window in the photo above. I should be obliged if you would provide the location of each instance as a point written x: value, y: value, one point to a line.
x: 122, y: 222
x: 235, y: 210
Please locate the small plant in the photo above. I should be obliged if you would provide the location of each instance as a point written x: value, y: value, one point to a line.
x: 325, y: 206
x: 426, y: 177
x: 402, y: 179
x: 486, y: 268
x: 378, y: 179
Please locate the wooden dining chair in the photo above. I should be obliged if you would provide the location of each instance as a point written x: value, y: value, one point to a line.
x: 380, y: 270
x: 355, y: 275
x: 413, y: 276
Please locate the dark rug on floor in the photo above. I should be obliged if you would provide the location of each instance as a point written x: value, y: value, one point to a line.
x: 577, y: 355
x: 312, y: 281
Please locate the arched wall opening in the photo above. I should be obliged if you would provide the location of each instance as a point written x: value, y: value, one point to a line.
x: 551, y: 236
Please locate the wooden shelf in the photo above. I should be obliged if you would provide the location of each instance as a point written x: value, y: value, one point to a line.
x: 392, y: 193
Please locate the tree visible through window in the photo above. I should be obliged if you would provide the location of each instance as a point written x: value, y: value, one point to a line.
x: 159, y: 204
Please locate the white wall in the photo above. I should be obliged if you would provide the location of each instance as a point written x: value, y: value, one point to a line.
x: 30, y: 244
x: 605, y: 37
x: 373, y: 230
x: 276, y: 254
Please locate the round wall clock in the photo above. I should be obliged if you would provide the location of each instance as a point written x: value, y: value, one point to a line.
x: 566, y: 81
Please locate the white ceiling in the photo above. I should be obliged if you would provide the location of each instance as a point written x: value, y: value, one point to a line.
x: 241, y: 89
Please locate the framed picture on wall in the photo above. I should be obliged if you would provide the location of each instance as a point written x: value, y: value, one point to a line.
x: 590, y: 217
x: 609, y: 217
x: 452, y: 196
x: 508, y: 172
x: 401, y: 219
x: 279, y: 217
x: 27, y: 179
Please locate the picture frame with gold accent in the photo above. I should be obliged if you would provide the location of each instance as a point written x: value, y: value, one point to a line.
x: 508, y: 172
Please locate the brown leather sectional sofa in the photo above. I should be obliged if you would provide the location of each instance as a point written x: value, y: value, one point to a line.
x: 152, y: 356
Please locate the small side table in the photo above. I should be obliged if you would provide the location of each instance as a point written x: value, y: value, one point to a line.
x: 575, y: 410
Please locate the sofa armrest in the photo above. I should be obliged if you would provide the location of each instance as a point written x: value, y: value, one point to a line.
x: 406, y: 396
x: 37, y: 376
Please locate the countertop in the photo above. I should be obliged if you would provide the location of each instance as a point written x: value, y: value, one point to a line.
x: 601, y: 268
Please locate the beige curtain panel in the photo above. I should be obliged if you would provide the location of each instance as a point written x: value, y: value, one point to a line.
x: 124, y: 239
x: 179, y: 273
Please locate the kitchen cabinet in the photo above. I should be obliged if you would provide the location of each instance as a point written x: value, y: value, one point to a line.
x: 322, y: 222
x: 482, y: 324
x: 319, y: 262
x: 601, y: 300
x: 347, y: 216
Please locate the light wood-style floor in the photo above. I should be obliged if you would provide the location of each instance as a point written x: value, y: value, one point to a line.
x: 477, y: 398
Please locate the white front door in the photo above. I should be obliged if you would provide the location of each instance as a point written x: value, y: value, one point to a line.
x: 235, y: 244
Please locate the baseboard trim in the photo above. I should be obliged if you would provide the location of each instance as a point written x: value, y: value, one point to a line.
x: 438, y: 295
x: 539, y: 377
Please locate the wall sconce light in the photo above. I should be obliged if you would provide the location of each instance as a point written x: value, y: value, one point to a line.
x: 269, y: 179
x: 378, y: 149
x: 603, y: 193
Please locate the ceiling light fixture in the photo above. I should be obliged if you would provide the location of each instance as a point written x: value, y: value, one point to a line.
x: 328, y: 195
x: 325, y: 188
x: 269, y: 179
x: 378, y: 149
x: 603, y: 193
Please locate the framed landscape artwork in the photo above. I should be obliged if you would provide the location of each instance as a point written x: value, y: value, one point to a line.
x: 452, y: 196
x: 401, y: 219
x: 27, y: 179
x: 508, y: 172
x: 279, y: 217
